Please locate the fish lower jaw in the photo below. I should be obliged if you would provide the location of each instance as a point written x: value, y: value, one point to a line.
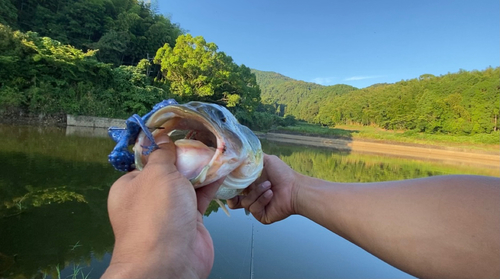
x: 225, y: 193
x: 238, y: 183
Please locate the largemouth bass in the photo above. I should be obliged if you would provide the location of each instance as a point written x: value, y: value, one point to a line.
x: 213, y: 145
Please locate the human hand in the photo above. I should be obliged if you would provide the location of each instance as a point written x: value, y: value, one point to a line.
x: 272, y: 197
x: 156, y: 216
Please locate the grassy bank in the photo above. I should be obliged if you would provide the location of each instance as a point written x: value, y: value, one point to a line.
x: 485, y: 142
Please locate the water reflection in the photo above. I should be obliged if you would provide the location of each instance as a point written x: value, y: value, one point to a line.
x: 53, y: 218
x: 343, y: 166
x: 53, y: 192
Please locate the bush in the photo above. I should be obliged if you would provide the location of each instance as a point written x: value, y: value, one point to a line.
x: 54, y: 78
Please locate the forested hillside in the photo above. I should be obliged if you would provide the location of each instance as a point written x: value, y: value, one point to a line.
x: 41, y: 75
x: 80, y: 56
x: 456, y: 103
x: 114, y: 58
x: 124, y: 31
x: 298, y: 98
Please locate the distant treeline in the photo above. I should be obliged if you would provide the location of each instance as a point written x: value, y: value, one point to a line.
x: 467, y: 102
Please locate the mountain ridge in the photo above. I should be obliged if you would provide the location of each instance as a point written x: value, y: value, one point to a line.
x: 296, y: 97
x: 462, y: 103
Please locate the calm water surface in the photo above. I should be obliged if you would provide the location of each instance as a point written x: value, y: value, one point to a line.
x: 53, y: 220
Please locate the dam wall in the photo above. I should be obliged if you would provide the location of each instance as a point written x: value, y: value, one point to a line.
x: 94, y: 122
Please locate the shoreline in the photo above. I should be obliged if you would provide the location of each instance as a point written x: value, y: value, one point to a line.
x: 384, y: 141
x: 97, y: 126
x: 426, y: 153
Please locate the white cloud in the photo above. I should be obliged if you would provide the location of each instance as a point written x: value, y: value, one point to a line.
x: 362, y: 77
x: 324, y: 80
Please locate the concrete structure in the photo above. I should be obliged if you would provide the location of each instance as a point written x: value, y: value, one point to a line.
x: 95, y: 122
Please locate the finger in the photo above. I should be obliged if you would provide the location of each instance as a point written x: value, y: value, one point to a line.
x: 206, y: 194
x: 120, y: 191
x: 235, y: 202
x: 122, y: 184
x: 164, y: 156
x: 255, y: 193
x: 258, y: 208
x: 268, y: 159
x: 127, y: 177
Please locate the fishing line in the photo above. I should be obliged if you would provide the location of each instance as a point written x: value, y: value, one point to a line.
x: 251, y: 255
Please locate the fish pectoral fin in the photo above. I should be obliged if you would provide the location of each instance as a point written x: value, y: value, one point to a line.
x: 223, y: 206
x: 200, y: 178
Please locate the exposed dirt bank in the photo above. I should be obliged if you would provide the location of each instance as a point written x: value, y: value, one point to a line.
x: 470, y: 157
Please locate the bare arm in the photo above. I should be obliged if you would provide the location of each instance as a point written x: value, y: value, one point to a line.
x: 444, y: 226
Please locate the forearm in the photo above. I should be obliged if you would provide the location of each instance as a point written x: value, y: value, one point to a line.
x: 434, y: 227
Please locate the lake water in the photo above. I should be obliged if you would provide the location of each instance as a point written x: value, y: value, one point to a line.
x: 53, y: 220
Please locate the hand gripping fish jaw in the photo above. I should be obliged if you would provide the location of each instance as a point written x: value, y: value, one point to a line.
x: 121, y: 158
x: 209, y: 141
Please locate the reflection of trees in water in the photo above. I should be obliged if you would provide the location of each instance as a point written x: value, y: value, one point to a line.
x: 53, y: 142
x: 56, y: 235
x: 41, y: 197
x: 335, y: 167
x: 338, y: 166
x: 53, y: 196
x: 34, y: 180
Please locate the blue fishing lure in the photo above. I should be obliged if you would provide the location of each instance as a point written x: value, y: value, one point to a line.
x: 121, y: 157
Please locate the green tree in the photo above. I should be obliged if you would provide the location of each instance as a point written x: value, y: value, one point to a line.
x: 195, y: 70
x: 125, y: 31
x: 8, y: 13
x: 41, y: 75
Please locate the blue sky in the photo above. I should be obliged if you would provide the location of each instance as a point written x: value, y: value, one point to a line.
x: 355, y: 42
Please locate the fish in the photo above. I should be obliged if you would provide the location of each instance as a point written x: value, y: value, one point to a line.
x: 210, y: 144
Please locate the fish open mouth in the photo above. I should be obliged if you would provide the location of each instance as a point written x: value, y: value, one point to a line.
x: 203, y: 135
x: 199, y: 142
x: 198, y: 129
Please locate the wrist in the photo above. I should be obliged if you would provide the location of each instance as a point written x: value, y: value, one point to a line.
x: 300, y: 185
x: 313, y: 195
x: 326, y: 203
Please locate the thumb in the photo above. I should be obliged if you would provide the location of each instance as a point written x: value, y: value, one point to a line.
x: 165, y: 154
